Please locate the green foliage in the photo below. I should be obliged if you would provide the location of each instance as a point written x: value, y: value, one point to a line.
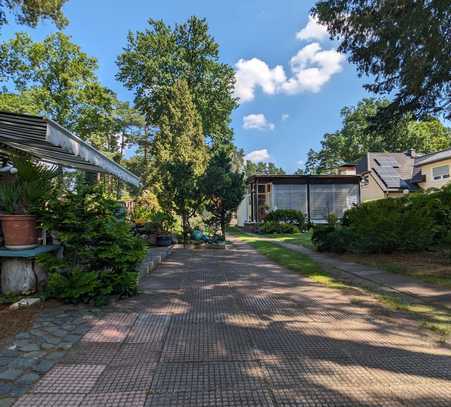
x: 30, y: 188
x: 223, y: 189
x: 181, y: 155
x: 289, y: 216
x: 417, y: 222
x: 404, y: 46
x: 100, y: 252
x: 278, y: 227
x: 159, y: 57
x: 31, y: 12
x: 358, y: 136
x: 262, y: 168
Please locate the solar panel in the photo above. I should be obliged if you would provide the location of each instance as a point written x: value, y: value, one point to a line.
x: 387, y: 162
x: 390, y: 176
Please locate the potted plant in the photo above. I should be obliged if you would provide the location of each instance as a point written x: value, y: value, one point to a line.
x: 19, y: 198
x: 164, y: 224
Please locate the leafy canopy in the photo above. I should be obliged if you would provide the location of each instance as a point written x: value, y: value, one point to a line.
x: 31, y: 12
x: 404, y: 45
x: 262, y: 168
x: 157, y: 58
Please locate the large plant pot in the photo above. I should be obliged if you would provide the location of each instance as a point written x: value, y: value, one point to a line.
x: 19, y: 231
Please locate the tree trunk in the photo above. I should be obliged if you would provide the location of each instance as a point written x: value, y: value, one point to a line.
x: 185, y: 227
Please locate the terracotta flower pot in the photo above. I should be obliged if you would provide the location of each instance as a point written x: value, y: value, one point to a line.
x: 19, y: 231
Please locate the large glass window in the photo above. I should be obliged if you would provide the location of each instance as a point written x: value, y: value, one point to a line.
x: 441, y: 172
x: 332, y: 199
x: 290, y: 197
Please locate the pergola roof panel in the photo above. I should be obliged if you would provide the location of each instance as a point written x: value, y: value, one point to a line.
x: 48, y: 141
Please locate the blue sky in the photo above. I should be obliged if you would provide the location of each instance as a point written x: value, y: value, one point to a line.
x: 292, y: 83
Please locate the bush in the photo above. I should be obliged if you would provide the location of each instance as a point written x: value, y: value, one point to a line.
x: 276, y: 227
x: 287, y: 216
x: 419, y: 221
x: 100, y: 251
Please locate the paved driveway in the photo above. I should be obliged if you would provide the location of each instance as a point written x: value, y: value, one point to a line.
x: 229, y: 328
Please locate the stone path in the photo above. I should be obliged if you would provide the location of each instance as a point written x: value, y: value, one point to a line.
x: 404, y: 284
x: 230, y: 328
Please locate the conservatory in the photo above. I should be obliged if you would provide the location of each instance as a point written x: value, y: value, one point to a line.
x: 317, y: 196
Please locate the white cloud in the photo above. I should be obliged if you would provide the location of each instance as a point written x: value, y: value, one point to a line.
x: 258, y: 156
x: 254, y: 72
x: 311, y: 68
x: 300, y: 162
x: 285, y: 116
x: 312, y: 31
x: 257, y: 121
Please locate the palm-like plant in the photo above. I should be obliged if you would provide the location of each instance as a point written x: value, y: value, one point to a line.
x: 31, y: 187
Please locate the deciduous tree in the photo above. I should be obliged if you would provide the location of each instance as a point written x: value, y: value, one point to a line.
x: 31, y: 12
x: 155, y: 59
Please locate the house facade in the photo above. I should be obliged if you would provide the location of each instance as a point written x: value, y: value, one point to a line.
x: 316, y: 196
x: 396, y: 174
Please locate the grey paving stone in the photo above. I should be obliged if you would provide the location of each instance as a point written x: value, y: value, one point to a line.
x: 11, y: 374
x: 22, y: 363
x: 55, y: 355
x: 44, y: 366
x: 28, y: 378
x: 31, y: 347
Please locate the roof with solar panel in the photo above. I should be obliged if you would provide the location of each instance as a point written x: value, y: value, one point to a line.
x: 394, y: 171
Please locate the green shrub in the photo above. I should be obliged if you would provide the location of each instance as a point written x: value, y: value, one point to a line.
x: 276, y: 227
x: 419, y: 221
x: 100, y: 251
x: 287, y: 216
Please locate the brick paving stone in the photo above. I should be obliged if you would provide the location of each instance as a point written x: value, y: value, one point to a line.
x: 149, y: 329
x: 135, y: 354
x: 107, y: 333
x: 50, y: 400
x: 125, y: 379
x: 218, y: 398
x: 423, y: 395
x: 207, y: 342
x: 92, y: 353
x: 172, y: 377
x: 69, y: 379
x: 115, y: 399
x: 332, y: 397
x: 118, y: 318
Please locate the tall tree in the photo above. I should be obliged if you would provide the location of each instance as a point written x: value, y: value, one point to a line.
x: 358, y: 136
x: 223, y: 188
x: 181, y: 154
x: 31, y: 12
x: 155, y: 59
x: 404, y: 45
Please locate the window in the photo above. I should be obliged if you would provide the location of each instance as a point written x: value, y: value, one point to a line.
x: 439, y: 173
